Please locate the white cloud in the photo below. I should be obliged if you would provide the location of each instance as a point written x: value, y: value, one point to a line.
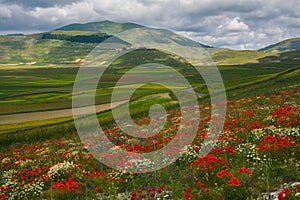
x: 237, y: 25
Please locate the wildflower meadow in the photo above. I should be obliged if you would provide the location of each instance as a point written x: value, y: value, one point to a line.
x: 256, y: 156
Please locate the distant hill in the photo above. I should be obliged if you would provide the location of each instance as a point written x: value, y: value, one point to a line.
x: 292, y: 44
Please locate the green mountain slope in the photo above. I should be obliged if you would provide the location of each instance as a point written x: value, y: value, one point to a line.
x: 292, y: 44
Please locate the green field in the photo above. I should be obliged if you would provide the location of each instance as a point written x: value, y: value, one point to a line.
x: 37, y: 88
x: 263, y: 82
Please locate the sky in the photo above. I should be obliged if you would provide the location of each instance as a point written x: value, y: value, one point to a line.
x: 236, y: 24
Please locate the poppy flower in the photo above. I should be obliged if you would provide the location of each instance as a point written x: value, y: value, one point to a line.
x: 96, y: 189
x: 280, y: 196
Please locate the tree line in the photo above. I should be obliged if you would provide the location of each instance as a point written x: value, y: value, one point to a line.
x: 95, y: 38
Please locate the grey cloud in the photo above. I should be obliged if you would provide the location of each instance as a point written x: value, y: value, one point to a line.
x: 38, y: 3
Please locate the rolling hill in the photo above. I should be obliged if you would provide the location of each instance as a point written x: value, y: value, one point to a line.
x: 292, y: 44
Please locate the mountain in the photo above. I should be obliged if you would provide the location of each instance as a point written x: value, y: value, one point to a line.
x: 71, y: 43
x: 292, y: 44
x: 112, y: 28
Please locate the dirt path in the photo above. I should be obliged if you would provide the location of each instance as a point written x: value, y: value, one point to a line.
x: 44, y: 115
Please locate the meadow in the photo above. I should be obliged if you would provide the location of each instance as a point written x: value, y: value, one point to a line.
x: 256, y: 155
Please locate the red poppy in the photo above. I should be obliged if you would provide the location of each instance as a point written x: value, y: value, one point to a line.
x: 280, y: 196
x: 286, y: 191
x: 199, y: 184
x: 235, y: 182
x: 133, y: 195
x: 96, y: 189
x: 187, y: 195
x: 245, y: 170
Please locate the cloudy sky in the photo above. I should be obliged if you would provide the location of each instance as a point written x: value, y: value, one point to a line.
x: 238, y: 24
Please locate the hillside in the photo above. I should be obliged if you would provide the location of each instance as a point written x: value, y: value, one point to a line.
x: 292, y: 44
